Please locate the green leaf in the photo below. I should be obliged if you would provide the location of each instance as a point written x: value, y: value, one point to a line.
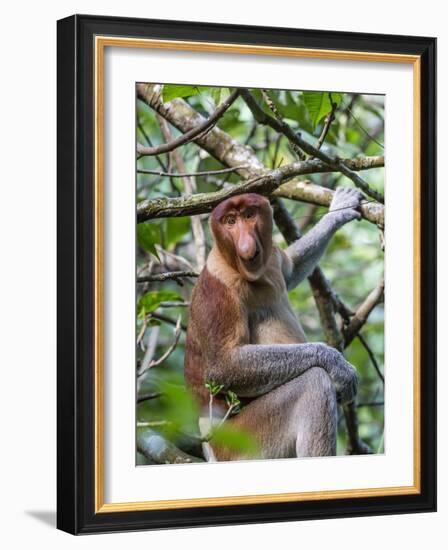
x: 232, y: 399
x: 175, y: 229
x: 213, y: 388
x: 151, y: 301
x: 148, y: 235
x: 171, y: 91
x: 319, y: 104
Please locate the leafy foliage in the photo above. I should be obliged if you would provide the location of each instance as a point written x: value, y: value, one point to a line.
x: 171, y: 92
x: 151, y: 301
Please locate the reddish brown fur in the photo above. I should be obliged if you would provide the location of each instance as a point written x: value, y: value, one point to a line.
x: 210, y: 334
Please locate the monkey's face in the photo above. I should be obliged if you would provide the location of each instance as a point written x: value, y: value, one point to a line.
x: 242, y: 228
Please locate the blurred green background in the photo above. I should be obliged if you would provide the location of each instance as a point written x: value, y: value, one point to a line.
x: 353, y: 262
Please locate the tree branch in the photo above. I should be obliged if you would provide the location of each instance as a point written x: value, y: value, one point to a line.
x: 148, y: 396
x: 167, y: 353
x: 328, y: 120
x: 157, y: 449
x: 202, y: 203
x: 142, y: 150
x: 281, y: 126
x: 371, y: 356
x: 168, y: 275
x: 166, y: 319
x: 189, y: 174
x: 362, y: 313
x: 269, y: 183
x: 306, y: 191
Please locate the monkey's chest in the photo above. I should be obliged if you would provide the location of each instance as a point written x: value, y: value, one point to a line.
x: 275, y: 324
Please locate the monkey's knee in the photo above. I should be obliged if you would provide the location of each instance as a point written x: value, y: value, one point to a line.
x: 316, y: 415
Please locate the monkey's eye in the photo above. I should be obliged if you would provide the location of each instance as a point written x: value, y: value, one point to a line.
x: 230, y: 220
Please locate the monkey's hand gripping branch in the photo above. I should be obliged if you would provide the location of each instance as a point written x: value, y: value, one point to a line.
x: 304, y: 254
x: 251, y: 372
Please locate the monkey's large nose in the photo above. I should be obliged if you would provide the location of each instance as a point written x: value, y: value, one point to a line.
x: 247, y: 248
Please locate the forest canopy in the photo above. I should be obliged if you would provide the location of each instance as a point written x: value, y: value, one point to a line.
x: 197, y: 145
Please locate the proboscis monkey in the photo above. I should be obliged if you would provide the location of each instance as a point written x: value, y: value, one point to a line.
x: 244, y: 335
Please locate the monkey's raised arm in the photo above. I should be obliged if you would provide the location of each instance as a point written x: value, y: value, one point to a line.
x: 304, y: 254
x: 252, y: 370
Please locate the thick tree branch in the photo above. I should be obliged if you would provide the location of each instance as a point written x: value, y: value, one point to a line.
x: 269, y: 183
x: 305, y: 191
x: 204, y: 202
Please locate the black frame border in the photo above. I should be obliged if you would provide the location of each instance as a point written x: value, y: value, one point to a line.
x: 76, y: 262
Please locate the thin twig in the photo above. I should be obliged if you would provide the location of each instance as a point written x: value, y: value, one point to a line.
x: 148, y: 396
x: 371, y: 356
x: 328, y: 120
x: 167, y: 353
x: 362, y: 313
x: 166, y: 319
x: 190, y: 174
x: 168, y: 275
x: 177, y: 261
x: 149, y: 354
x: 371, y: 138
x: 142, y: 333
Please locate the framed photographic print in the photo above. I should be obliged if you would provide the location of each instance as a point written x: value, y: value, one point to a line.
x: 246, y: 274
